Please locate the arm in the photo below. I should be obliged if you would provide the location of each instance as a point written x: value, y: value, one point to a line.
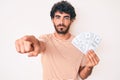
x: 30, y: 45
x: 92, y: 60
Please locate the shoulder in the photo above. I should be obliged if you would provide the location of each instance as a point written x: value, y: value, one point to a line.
x: 45, y: 37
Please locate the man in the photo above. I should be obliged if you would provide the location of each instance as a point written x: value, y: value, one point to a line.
x: 60, y: 59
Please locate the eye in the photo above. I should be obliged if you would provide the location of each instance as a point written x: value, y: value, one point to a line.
x: 67, y: 17
x: 57, y: 17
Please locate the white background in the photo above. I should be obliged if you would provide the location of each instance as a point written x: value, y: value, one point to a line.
x: 31, y: 17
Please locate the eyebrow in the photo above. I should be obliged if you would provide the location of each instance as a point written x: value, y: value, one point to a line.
x: 66, y: 16
x: 59, y: 16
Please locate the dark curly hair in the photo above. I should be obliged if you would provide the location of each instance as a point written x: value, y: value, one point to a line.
x: 63, y: 6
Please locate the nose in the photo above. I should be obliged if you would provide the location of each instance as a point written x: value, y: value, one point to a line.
x: 61, y: 21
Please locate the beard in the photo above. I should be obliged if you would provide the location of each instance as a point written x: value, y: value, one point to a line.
x: 61, y: 30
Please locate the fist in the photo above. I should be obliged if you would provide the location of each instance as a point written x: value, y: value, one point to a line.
x: 28, y: 44
x: 92, y: 58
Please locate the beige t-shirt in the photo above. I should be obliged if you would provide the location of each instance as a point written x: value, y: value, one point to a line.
x: 60, y: 60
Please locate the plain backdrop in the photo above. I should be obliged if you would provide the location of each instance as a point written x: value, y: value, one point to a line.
x: 32, y: 17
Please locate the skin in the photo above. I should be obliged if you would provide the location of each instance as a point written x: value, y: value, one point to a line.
x: 31, y: 45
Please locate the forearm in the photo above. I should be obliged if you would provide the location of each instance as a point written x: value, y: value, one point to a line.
x: 85, y: 72
x: 42, y: 46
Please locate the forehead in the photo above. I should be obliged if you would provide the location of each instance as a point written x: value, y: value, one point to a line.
x: 61, y: 13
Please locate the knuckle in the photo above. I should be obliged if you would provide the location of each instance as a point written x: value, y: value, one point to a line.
x: 17, y: 41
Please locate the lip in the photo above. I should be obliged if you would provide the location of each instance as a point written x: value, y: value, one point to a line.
x: 61, y: 26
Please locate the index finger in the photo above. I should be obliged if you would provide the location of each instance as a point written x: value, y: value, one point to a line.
x: 29, y: 38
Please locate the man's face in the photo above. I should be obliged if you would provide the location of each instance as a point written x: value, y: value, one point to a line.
x: 61, y: 22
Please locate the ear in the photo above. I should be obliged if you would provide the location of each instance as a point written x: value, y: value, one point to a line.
x: 72, y: 20
x: 52, y: 20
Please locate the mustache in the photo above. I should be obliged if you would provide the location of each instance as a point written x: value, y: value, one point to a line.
x: 61, y: 25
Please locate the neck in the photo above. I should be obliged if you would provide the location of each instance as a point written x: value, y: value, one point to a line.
x: 62, y: 36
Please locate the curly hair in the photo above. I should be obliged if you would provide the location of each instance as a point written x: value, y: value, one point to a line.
x: 65, y: 7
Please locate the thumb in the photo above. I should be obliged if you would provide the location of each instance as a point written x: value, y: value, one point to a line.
x: 32, y: 54
x: 35, y: 52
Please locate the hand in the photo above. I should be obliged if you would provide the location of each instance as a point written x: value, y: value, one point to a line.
x: 92, y: 59
x: 28, y: 44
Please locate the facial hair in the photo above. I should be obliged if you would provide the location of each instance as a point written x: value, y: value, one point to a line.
x: 61, y: 31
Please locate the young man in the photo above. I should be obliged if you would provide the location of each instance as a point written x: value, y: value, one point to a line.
x: 60, y: 59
